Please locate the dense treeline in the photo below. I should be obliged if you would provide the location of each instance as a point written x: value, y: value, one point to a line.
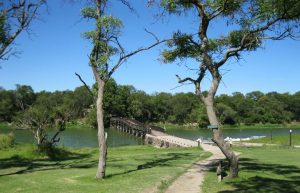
x: 126, y: 101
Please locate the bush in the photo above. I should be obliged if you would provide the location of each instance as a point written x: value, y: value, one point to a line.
x: 51, y: 151
x: 7, y: 140
x: 91, y: 118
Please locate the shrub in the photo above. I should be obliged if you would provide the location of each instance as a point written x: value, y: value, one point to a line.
x: 7, y: 140
x: 51, y: 151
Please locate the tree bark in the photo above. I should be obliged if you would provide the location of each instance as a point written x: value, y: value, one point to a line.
x: 218, y: 138
x: 101, y: 133
x: 38, y: 135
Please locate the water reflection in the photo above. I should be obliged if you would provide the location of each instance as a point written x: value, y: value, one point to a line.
x: 85, y: 137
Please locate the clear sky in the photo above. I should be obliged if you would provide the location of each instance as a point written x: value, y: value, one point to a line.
x: 55, y: 51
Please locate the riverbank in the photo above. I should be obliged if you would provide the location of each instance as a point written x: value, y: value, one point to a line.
x: 129, y: 169
x: 262, y: 169
x: 194, y: 127
x: 280, y: 140
x: 171, y: 126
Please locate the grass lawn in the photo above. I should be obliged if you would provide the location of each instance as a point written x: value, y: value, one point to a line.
x: 262, y: 170
x: 293, y: 125
x: 281, y: 140
x: 130, y: 169
x: 171, y: 126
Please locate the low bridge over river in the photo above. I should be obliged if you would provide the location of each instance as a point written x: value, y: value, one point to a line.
x: 151, y: 134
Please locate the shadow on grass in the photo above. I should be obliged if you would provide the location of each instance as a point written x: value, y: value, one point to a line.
x: 20, y: 165
x: 157, y: 162
x: 279, y: 178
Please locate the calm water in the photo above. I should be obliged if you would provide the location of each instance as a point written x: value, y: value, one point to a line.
x: 80, y: 137
x: 88, y: 137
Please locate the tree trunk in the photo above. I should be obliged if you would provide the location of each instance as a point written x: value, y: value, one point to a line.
x: 101, y: 134
x: 218, y: 138
x: 38, y: 136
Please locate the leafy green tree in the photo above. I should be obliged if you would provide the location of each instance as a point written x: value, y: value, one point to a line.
x: 255, y: 95
x: 249, y: 22
x: 226, y: 114
x: 141, y: 107
x: 78, y: 102
x: 24, y: 96
x: 295, y: 106
x: 182, y: 105
x: 44, y: 114
x: 273, y: 111
x: 7, y: 107
x: 198, y: 115
x: 105, y: 41
x: 163, y: 107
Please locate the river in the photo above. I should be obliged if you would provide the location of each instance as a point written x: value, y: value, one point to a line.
x: 87, y: 137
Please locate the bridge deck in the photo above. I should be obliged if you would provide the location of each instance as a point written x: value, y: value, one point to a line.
x: 175, y: 140
x: 153, y: 134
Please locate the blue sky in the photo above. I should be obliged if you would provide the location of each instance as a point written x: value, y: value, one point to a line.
x: 55, y: 51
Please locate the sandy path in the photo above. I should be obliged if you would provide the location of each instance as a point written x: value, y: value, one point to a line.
x: 191, y: 181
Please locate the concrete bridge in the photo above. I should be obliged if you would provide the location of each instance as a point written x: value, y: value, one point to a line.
x: 153, y: 135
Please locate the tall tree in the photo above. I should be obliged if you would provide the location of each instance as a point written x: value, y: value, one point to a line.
x: 105, y: 40
x: 15, y: 17
x: 249, y: 22
x: 24, y: 96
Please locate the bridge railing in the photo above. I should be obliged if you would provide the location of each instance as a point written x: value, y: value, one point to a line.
x: 132, y: 124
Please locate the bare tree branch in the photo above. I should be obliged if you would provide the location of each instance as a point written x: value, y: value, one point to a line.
x: 123, y: 57
x: 86, y: 86
x: 21, y: 14
x: 185, y: 79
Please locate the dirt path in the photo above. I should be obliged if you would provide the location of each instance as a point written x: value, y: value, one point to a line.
x: 191, y: 181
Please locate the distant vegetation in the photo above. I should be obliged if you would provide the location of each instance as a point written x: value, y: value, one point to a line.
x: 126, y: 101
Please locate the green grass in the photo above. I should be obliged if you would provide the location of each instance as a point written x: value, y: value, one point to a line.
x: 262, y: 170
x: 6, y: 141
x: 171, y: 126
x: 281, y: 140
x: 292, y: 125
x: 129, y: 169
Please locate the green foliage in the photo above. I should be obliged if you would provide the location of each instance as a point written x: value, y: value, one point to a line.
x: 110, y: 26
x: 184, y: 48
x: 226, y: 114
x: 141, y: 107
x: 7, y: 141
x: 104, y: 38
x: 237, y: 36
x: 249, y: 24
x: 24, y: 96
x: 91, y: 118
x: 288, y: 9
x: 89, y: 12
x: 3, y: 28
x: 47, y: 149
x: 7, y: 105
x: 125, y: 101
x: 175, y: 6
